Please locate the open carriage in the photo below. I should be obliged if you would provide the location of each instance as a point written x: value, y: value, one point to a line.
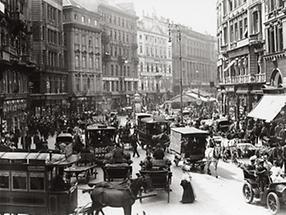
x: 189, y: 143
x: 31, y: 183
x: 160, y: 177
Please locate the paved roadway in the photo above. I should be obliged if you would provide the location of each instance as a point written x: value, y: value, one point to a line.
x: 214, y: 196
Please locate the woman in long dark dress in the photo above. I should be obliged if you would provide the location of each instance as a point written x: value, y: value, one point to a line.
x: 188, y: 194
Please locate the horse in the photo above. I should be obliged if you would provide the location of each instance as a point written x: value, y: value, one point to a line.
x: 212, y: 155
x: 116, y: 195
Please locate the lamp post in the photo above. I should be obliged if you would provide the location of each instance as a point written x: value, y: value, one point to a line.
x: 176, y: 29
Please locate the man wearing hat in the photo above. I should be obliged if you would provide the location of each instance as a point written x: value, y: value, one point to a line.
x: 262, y: 175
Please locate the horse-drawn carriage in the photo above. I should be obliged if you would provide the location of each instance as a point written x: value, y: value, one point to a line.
x: 100, y: 140
x: 272, y: 194
x: 159, y: 174
x: 189, y: 143
x: 32, y: 183
x: 153, y: 131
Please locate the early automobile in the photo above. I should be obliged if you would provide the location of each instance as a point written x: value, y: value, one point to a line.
x: 272, y: 195
x: 189, y: 143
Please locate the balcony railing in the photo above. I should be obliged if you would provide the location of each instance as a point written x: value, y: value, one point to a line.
x: 243, y: 79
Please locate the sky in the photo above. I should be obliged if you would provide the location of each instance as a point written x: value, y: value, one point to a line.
x: 200, y: 15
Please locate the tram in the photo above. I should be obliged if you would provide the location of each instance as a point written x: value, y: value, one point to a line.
x: 34, y: 183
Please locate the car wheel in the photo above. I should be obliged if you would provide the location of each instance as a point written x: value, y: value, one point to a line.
x: 247, y: 193
x: 273, y: 203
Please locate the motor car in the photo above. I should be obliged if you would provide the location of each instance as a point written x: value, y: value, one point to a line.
x: 246, y: 150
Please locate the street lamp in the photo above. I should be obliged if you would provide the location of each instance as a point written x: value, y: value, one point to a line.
x: 176, y: 29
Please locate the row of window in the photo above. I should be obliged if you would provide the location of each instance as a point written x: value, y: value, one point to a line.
x: 22, y: 181
x: 119, y: 21
x: 274, y: 4
x: 116, y: 70
x: 83, y: 19
x: 230, y: 5
x: 86, y: 40
x: 13, y: 82
x: 121, y: 36
x: 53, y: 59
x: 116, y: 51
x: 153, y: 39
x: 85, y: 83
x: 156, y: 68
x: 53, y: 14
x: 116, y: 86
x: 155, y: 51
x: 274, y: 35
x: 54, y: 37
x: 55, y: 84
x: 81, y: 62
x: 153, y: 85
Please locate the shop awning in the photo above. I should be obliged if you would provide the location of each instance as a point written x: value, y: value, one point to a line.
x: 268, y: 107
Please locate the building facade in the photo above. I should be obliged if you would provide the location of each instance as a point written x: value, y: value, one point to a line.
x: 197, y: 67
x: 241, y: 65
x: 155, y: 59
x: 49, y: 93
x: 119, y: 59
x: 83, y: 56
x: 275, y: 43
x: 15, y: 63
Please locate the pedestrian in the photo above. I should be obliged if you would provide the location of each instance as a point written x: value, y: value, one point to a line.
x: 188, y: 193
x: 134, y: 145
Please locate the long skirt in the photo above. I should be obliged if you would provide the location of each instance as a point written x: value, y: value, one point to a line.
x: 188, y: 194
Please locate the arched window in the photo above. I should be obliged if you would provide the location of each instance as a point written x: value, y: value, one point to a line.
x: 276, y: 78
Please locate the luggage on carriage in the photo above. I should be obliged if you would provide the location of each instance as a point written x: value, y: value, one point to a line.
x: 189, y: 143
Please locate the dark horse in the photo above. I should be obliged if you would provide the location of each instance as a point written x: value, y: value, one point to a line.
x: 116, y: 195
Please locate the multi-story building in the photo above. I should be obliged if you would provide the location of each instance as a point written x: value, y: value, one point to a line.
x: 241, y: 64
x: 155, y: 58
x: 194, y: 59
x: 83, y: 55
x: 119, y: 41
x: 15, y: 62
x: 275, y: 43
x: 49, y: 94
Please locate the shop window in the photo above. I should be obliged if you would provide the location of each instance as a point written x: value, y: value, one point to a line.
x: 37, y: 181
x: 4, y: 180
x: 19, y: 180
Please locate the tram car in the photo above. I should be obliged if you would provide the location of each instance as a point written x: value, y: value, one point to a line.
x: 34, y: 183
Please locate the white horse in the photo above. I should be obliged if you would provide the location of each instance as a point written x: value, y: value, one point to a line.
x: 212, y: 155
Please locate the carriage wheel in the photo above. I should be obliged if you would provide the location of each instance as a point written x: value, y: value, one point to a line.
x: 140, y: 195
x: 247, y: 192
x: 273, y: 203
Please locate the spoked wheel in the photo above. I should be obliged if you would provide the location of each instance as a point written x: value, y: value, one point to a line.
x: 273, y: 203
x: 247, y: 193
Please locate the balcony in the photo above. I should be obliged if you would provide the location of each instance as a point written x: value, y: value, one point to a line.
x: 244, y: 79
x: 260, y: 78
